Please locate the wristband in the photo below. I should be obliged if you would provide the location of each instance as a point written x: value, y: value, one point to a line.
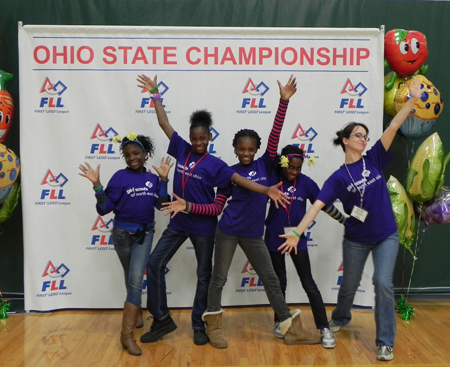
x: 296, y: 234
x: 98, y: 188
x: 155, y: 97
x: 154, y: 88
x: 188, y: 204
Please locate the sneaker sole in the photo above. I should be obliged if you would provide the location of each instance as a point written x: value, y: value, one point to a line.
x: 329, y: 346
x: 150, y: 337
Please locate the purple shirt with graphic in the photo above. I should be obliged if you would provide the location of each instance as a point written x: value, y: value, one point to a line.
x: 131, y: 196
x: 244, y: 215
x: 380, y: 221
x: 202, y: 178
x: 305, y: 189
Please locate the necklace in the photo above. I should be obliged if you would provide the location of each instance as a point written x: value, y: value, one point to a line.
x: 365, y: 173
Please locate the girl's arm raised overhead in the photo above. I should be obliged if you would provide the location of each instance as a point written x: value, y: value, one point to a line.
x: 152, y: 87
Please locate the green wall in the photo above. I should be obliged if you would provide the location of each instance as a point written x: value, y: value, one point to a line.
x: 430, y: 18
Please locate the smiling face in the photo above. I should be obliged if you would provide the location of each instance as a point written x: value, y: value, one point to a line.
x: 245, y: 150
x: 134, y: 156
x: 405, y: 51
x: 356, y: 141
x: 6, y: 114
x: 199, y: 138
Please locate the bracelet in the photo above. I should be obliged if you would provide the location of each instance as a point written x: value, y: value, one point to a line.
x: 154, y: 88
x: 98, y: 188
x: 155, y: 97
x: 189, y: 208
x: 296, y: 234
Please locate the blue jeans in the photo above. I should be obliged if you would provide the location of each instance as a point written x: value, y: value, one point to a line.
x: 303, y: 266
x: 167, y: 246
x: 134, y: 258
x: 256, y: 251
x: 384, y: 255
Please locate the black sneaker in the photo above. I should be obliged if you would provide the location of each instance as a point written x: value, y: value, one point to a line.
x: 200, y: 337
x: 158, y: 329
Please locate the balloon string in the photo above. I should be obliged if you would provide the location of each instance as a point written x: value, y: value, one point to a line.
x: 417, y: 244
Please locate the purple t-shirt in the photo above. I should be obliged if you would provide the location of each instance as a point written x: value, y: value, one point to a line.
x: 202, y: 174
x: 131, y: 196
x: 298, y: 191
x: 380, y: 221
x: 244, y: 215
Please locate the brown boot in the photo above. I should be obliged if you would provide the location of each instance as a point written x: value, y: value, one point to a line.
x: 295, y: 334
x: 140, y: 319
x: 214, y: 329
x: 130, y: 313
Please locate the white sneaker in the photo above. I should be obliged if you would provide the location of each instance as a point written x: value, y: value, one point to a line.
x: 334, y: 327
x: 327, y: 337
x: 277, y: 331
x: 385, y: 353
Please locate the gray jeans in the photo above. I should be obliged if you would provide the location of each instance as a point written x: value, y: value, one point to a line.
x: 256, y: 251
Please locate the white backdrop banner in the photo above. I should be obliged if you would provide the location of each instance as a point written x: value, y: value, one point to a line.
x: 78, y: 89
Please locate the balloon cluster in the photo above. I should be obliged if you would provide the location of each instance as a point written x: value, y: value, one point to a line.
x: 9, y: 163
x: 405, y: 54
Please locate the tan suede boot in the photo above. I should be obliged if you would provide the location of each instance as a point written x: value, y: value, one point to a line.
x: 140, y: 319
x: 130, y: 313
x: 295, y: 334
x: 214, y: 329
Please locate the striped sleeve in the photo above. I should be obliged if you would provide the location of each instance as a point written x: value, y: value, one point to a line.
x: 334, y: 213
x: 274, y: 137
x: 213, y: 209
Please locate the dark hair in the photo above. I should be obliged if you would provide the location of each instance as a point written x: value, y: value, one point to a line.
x: 346, y: 131
x: 144, y: 142
x: 247, y: 133
x: 201, y: 118
x: 288, y: 149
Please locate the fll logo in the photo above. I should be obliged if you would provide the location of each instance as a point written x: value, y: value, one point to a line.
x: 354, y: 92
x: 104, y: 145
x: 250, y: 280
x: 306, y: 138
x: 56, y: 275
x: 54, y: 92
x: 340, y: 269
x: 56, y: 184
x: 215, y: 134
x: 256, y: 92
x: 102, y: 235
x: 147, y: 101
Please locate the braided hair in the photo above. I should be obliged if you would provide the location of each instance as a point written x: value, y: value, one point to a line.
x: 247, y: 133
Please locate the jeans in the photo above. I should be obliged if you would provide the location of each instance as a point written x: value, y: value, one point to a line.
x: 256, y: 251
x: 303, y: 266
x: 167, y: 246
x: 384, y: 255
x: 134, y: 258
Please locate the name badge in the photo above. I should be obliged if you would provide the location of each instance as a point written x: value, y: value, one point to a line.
x: 359, y: 213
x: 289, y: 230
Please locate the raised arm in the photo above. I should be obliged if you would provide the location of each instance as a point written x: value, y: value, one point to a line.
x: 291, y: 238
x: 286, y: 92
x: 181, y: 205
x: 389, y: 134
x: 152, y: 87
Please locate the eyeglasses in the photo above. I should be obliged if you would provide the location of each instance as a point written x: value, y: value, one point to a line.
x: 361, y: 136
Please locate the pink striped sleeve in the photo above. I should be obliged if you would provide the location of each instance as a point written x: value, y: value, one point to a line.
x: 210, y: 209
x: 274, y: 137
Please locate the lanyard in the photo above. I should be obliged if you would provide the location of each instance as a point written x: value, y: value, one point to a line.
x: 184, y: 177
x: 365, y: 173
x: 288, y: 212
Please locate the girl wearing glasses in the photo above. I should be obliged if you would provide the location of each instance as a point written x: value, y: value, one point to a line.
x: 360, y: 186
x: 299, y: 188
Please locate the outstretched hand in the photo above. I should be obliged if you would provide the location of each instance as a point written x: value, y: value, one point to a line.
x: 278, y: 197
x: 179, y: 205
x: 164, y: 168
x: 289, y: 89
x: 91, y: 174
x: 147, y: 83
x: 291, y: 243
x: 415, y: 87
